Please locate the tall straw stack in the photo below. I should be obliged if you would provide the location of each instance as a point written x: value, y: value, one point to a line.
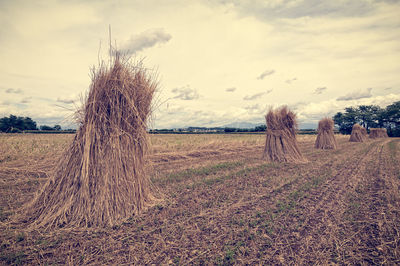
x: 364, y: 131
x: 356, y: 134
x: 378, y: 133
x: 100, y: 179
x: 326, y: 138
x: 281, y: 144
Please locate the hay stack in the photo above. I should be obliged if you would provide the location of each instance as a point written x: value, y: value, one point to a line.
x: 281, y: 144
x: 100, y: 179
x: 364, y: 131
x: 326, y: 138
x: 356, y: 134
x: 378, y: 133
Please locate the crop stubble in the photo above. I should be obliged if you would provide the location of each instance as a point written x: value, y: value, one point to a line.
x: 224, y: 205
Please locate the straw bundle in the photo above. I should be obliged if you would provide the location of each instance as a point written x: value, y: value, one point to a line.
x: 356, y: 134
x: 281, y: 144
x: 100, y: 179
x: 364, y: 131
x: 326, y: 138
x: 378, y: 133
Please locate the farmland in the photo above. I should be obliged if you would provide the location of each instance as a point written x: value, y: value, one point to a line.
x: 220, y: 203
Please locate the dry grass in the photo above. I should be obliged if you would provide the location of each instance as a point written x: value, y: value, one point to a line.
x: 326, y: 138
x: 230, y: 207
x: 100, y: 179
x: 281, y: 144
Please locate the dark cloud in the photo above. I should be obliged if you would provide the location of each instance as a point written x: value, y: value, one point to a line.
x: 185, y: 93
x: 230, y: 89
x: 356, y: 95
x: 266, y: 73
x: 16, y: 91
x: 289, y: 81
x: 146, y: 39
x: 320, y: 90
x: 389, y: 88
x: 269, y: 91
x: 253, y: 97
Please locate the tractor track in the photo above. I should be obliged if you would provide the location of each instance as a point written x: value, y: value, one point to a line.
x: 322, y: 209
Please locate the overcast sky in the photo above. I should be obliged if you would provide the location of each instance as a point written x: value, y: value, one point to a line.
x: 219, y: 62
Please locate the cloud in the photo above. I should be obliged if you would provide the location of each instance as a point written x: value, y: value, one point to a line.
x: 255, y: 109
x: 266, y: 73
x: 67, y: 99
x: 185, y: 93
x: 16, y: 91
x: 267, y: 10
x: 289, y: 81
x: 269, y: 91
x: 230, y: 89
x: 356, y: 95
x: 319, y: 90
x: 145, y: 40
x: 253, y: 97
x: 26, y: 100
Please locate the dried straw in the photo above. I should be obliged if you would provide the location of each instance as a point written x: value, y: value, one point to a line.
x: 281, y: 144
x: 326, y: 138
x: 378, y: 133
x: 364, y: 131
x: 100, y: 179
x: 356, y: 134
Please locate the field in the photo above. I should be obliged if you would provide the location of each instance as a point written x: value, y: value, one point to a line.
x: 222, y: 204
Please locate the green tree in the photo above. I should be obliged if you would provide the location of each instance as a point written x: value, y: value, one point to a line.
x: 392, y: 119
x: 370, y: 116
x: 14, y: 124
x: 44, y: 127
x: 57, y: 127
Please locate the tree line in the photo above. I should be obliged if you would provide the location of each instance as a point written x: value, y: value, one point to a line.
x: 370, y: 116
x: 18, y: 124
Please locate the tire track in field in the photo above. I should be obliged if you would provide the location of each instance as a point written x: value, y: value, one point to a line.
x: 321, y: 208
x: 375, y: 230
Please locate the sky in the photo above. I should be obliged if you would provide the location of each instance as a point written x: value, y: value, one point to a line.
x: 218, y: 62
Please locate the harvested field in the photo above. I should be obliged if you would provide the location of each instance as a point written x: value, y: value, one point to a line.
x: 223, y: 205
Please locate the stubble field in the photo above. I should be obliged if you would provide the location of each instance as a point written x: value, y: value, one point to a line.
x: 221, y: 204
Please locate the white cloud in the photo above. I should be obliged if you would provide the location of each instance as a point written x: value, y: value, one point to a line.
x: 69, y: 99
x: 319, y: 90
x: 145, y: 40
x: 355, y: 95
x: 185, y: 93
x: 16, y: 91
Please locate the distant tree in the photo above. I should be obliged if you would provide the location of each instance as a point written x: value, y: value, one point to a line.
x: 260, y: 128
x: 370, y: 116
x: 230, y: 129
x: 392, y: 119
x: 29, y: 124
x: 57, y: 127
x: 44, y: 127
x: 14, y: 124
